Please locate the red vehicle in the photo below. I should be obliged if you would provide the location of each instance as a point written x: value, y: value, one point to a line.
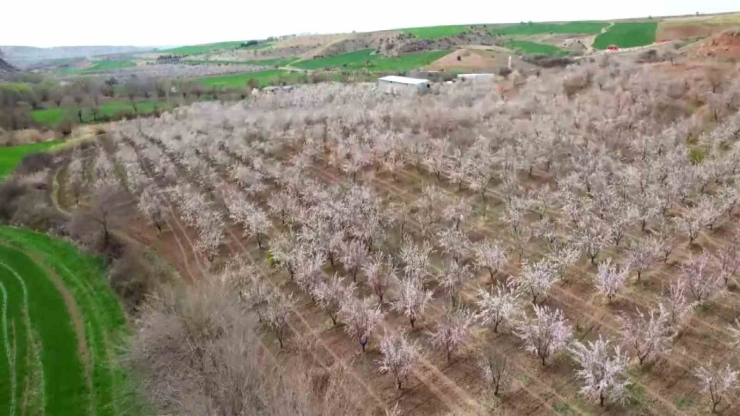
x: 613, y: 48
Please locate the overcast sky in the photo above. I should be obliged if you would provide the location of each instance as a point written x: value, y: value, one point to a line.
x: 166, y: 22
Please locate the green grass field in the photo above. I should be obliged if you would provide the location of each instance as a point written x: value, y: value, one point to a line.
x: 210, y: 47
x: 533, y: 48
x: 265, y: 62
x: 379, y: 63
x: 52, y: 116
x: 540, y: 28
x: 240, y: 80
x: 627, y: 35
x: 436, y: 32
x: 47, y: 366
x: 10, y: 157
x: 109, y: 65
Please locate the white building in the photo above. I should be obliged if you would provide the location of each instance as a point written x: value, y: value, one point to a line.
x: 403, y: 85
x: 476, y: 77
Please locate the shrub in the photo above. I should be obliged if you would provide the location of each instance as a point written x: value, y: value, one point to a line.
x: 65, y: 127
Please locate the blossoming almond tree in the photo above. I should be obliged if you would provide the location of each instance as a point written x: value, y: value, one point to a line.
x: 490, y: 256
x: 361, y: 317
x: 603, y: 371
x: 701, y: 282
x: 546, y: 334
x: 412, y: 298
x: 535, y: 280
x: 610, y: 280
x: 452, y: 330
x: 647, y: 336
x: 399, y: 357
x: 498, y: 307
x: 717, y: 382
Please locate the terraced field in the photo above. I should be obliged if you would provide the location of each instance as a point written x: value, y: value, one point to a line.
x: 59, y: 326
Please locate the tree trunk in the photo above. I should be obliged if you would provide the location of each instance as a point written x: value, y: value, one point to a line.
x: 412, y: 322
x: 543, y: 361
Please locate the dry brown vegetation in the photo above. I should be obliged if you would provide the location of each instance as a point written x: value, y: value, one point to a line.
x: 311, y: 228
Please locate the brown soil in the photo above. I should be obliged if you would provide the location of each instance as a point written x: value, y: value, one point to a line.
x: 479, y: 58
x: 695, y: 26
x: 724, y: 45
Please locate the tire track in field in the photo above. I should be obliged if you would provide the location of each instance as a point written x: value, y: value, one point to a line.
x: 29, y: 328
x: 78, y: 322
x: 8, y: 350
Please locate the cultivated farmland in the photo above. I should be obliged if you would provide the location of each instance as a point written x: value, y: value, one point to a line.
x: 527, y: 47
x: 210, y: 47
x: 627, y: 35
x: 52, y: 116
x: 366, y: 59
x: 60, y: 324
x: 436, y: 32
x: 543, y: 28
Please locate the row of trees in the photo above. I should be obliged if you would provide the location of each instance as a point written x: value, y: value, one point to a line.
x: 573, y: 180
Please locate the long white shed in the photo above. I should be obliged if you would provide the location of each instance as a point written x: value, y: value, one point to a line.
x: 393, y: 84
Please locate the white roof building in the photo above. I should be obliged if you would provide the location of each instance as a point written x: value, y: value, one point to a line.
x: 393, y: 84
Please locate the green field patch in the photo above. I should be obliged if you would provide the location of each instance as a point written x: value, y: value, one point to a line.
x: 543, y: 28
x: 366, y: 59
x: 35, y: 306
x: 52, y: 116
x: 265, y: 62
x: 11, y: 156
x: 627, y: 35
x: 533, y: 48
x: 436, y: 32
x: 211, y: 47
x: 93, y: 388
x: 109, y: 65
x: 262, y: 78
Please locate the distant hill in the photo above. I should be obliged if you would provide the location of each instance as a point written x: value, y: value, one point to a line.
x: 5, y: 68
x: 23, y: 56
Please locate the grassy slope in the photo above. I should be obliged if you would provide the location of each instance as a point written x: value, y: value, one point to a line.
x: 104, y: 320
x: 540, y: 28
x: 52, y: 116
x: 64, y: 390
x: 358, y: 60
x: 11, y: 156
x: 535, y: 48
x: 627, y: 35
x: 240, y: 80
x: 436, y: 32
x: 264, y: 62
x: 210, y: 47
x: 110, y: 65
